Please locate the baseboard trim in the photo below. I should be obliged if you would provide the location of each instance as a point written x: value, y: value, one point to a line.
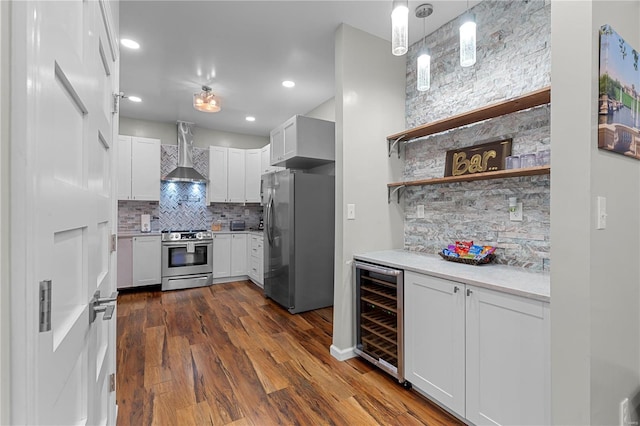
x: 342, y: 354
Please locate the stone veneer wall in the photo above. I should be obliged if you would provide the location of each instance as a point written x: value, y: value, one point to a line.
x: 183, y: 205
x: 513, y: 58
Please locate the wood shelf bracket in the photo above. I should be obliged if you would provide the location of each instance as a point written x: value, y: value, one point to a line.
x: 393, y: 144
x: 391, y: 191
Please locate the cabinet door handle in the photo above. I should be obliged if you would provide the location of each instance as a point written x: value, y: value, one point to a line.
x: 469, y: 292
x: 456, y: 289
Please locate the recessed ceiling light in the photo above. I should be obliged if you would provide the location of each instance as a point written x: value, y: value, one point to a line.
x: 134, y: 99
x: 288, y: 83
x: 250, y: 118
x: 130, y: 43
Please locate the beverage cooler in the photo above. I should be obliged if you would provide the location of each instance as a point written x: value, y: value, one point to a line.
x: 379, y: 302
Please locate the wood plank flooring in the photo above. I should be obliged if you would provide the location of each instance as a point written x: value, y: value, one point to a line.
x: 225, y: 355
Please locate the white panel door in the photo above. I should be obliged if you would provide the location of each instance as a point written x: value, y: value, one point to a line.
x: 124, y: 167
x: 508, y: 374
x: 238, y: 255
x: 221, y: 255
x: 434, y: 346
x: 252, y: 176
x: 236, y: 175
x: 145, y: 169
x: 217, y: 187
x: 65, y: 71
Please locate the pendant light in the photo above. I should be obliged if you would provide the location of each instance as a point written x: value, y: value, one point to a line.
x: 423, y: 69
x: 400, y: 27
x: 468, y: 39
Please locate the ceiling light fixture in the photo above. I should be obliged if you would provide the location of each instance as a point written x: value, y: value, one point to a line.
x: 468, y: 39
x: 206, y: 101
x: 250, y: 118
x: 288, y: 83
x: 134, y: 98
x: 423, y: 71
x: 130, y: 43
x: 400, y: 27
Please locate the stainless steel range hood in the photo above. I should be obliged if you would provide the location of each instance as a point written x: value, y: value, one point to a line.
x: 185, y: 171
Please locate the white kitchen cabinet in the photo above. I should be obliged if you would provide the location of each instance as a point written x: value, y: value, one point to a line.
x: 303, y: 142
x: 221, y: 255
x: 236, y: 175
x: 147, y: 260
x: 508, y: 359
x: 265, y: 161
x: 435, y: 338
x: 252, y: 175
x: 125, y: 262
x: 482, y: 354
x: 138, y: 168
x: 238, y: 255
x: 256, y: 252
x: 218, y: 164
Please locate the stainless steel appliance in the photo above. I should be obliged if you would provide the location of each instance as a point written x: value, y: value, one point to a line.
x: 379, y: 326
x: 187, y: 259
x: 185, y: 172
x: 299, y: 239
x: 237, y: 225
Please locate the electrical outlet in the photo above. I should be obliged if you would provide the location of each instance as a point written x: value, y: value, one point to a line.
x: 420, y: 211
x: 624, y: 412
x: 246, y: 212
x: 516, y: 214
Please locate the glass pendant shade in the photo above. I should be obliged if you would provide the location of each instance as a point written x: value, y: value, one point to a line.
x: 468, y: 42
x: 206, y: 101
x: 399, y: 28
x: 423, y: 73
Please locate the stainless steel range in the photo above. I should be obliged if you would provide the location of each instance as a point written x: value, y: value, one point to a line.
x: 187, y: 259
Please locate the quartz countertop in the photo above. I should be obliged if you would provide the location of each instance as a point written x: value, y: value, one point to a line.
x: 507, y: 279
x: 129, y: 234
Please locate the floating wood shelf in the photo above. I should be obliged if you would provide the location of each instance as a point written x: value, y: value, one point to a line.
x: 528, y: 171
x: 530, y: 100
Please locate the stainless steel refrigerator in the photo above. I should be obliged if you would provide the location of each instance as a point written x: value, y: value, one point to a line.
x: 299, y: 239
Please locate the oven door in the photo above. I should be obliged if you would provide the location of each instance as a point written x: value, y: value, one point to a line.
x: 186, y: 258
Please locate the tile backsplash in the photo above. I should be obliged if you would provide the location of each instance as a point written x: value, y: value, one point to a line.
x: 183, y: 205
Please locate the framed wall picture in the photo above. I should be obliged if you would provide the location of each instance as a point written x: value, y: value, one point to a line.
x: 618, y: 96
x: 486, y: 157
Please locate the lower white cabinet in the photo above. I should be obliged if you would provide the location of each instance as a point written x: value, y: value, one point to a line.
x: 139, y: 261
x: 221, y: 255
x: 256, y: 251
x: 238, y: 254
x: 229, y: 255
x: 480, y: 353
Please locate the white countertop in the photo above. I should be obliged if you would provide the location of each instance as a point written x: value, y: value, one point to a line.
x: 507, y: 279
x: 130, y: 234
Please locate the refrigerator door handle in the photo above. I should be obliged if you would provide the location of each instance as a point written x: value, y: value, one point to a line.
x: 270, y: 221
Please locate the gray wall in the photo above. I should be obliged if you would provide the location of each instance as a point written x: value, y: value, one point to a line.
x: 367, y: 76
x: 595, y: 294
x: 203, y: 138
x: 513, y: 41
x: 5, y: 331
x: 324, y: 111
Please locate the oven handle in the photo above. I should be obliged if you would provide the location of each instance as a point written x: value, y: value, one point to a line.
x: 184, y: 243
x: 376, y: 268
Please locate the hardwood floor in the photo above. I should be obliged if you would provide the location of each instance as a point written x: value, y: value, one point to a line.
x: 225, y: 355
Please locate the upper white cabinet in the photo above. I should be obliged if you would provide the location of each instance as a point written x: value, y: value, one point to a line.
x: 265, y: 161
x: 303, y: 142
x: 483, y: 354
x: 252, y: 175
x: 138, y: 168
x: 234, y: 175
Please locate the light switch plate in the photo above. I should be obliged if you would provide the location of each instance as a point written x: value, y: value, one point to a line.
x: 351, y: 211
x: 601, y: 212
x: 420, y: 211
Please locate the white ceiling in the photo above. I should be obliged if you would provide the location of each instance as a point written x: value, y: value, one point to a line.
x: 244, y: 50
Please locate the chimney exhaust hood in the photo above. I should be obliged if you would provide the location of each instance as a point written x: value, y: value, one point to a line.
x: 185, y: 171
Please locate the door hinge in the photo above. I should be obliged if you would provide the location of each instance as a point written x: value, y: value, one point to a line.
x: 114, y: 240
x: 116, y: 101
x: 45, y: 305
x: 112, y: 382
